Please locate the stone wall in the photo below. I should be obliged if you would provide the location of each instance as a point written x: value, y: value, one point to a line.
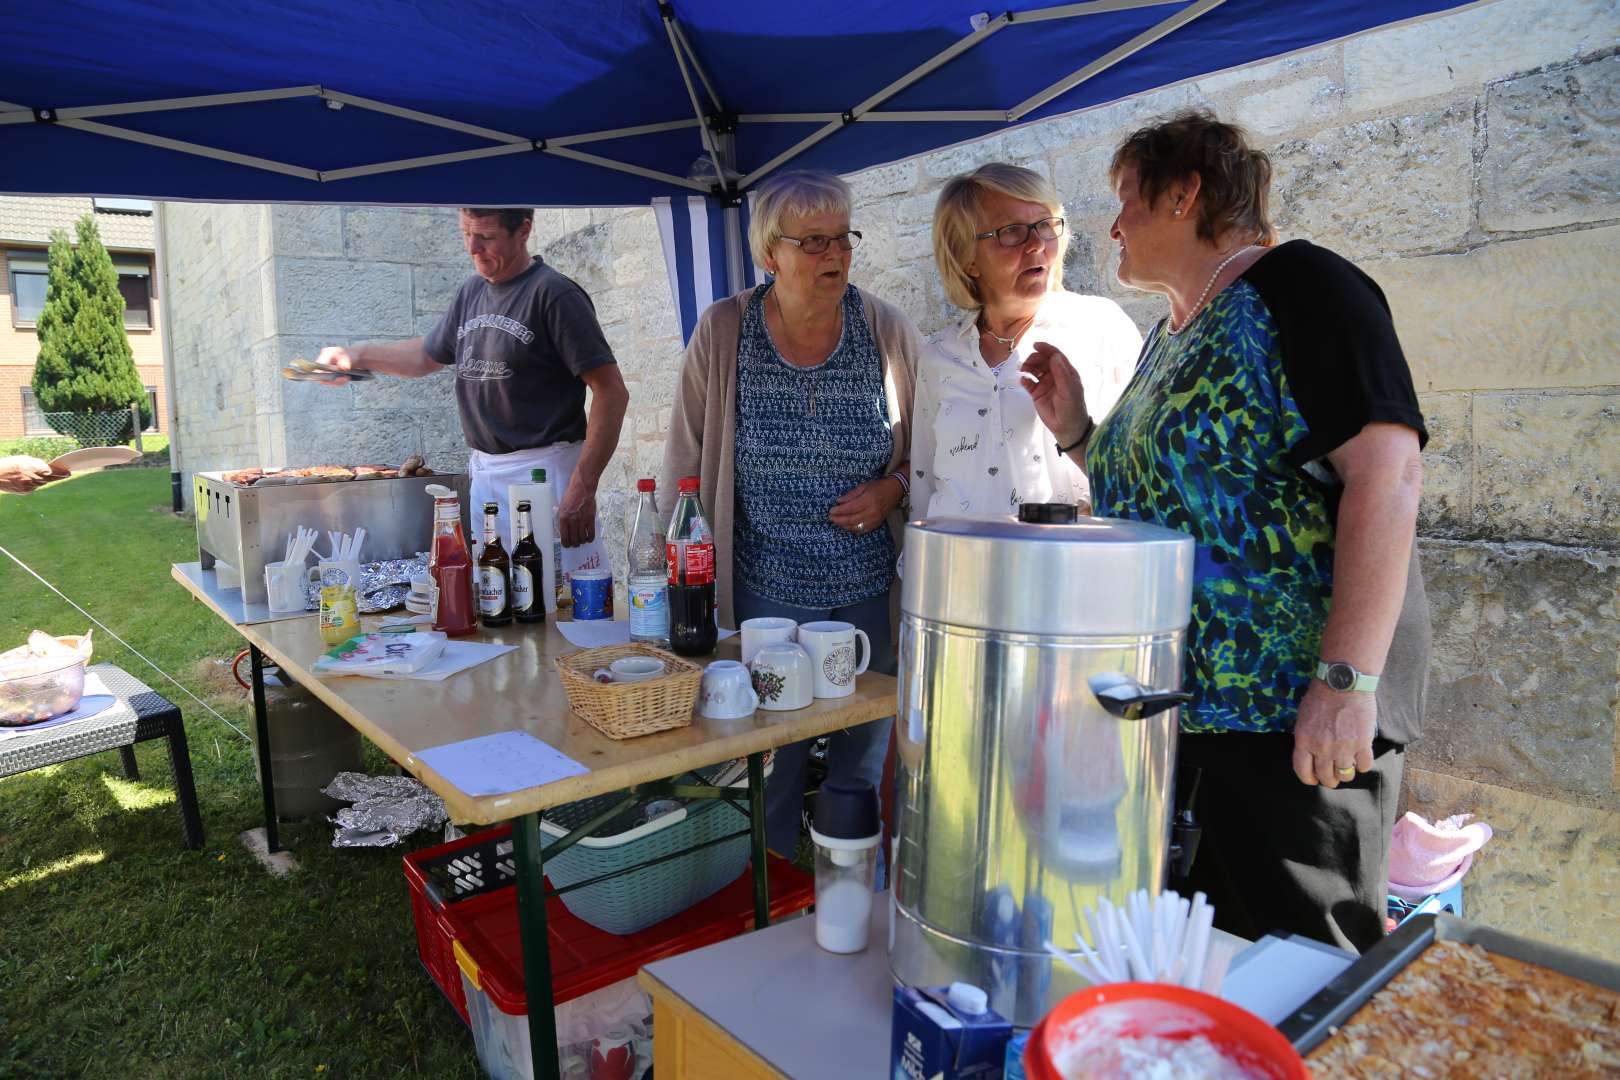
x: 1466, y: 162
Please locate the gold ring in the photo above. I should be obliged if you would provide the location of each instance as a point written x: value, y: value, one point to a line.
x: 1348, y: 772
x: 860, y: 526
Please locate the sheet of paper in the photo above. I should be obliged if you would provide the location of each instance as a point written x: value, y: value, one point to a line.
x: 497, y: 764
x: 600, y: 633
x: 457, y: 657
x: 1275, y: 976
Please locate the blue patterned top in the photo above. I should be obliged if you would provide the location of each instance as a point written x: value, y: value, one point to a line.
x: 1199, y: 442
x: 806, y: 435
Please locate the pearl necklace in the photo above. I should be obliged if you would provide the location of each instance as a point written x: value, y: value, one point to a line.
x: 1199, y: 303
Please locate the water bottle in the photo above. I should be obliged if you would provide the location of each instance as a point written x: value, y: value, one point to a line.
x: 647, y: 572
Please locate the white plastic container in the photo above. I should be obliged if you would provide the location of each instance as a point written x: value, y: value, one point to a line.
x: 542, y: 500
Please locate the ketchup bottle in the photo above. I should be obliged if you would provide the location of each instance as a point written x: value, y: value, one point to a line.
x: 450, y: 567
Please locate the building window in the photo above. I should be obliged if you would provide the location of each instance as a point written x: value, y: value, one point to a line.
x: 152, y: 403
x: 123, y: 206
x: 27, y: 286
x: 137, y: 300
x: 33, y: 420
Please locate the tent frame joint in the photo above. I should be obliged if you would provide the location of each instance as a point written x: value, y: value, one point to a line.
x: 537, y: 144
x: 666, y: 10
x: 45, y: 116
x: 847, y: 117
x: 721, y: 121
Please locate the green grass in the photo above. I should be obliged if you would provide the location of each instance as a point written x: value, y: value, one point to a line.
x: 123, y: 953
x: 49, y: 446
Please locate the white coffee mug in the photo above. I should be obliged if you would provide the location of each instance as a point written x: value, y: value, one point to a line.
x: 335, y: 572
x: 782, y: 676
x: 635, y: 668
x: 727, y: 692
x: 763, y: 631
x: 284, y: 585
x: 831, y: 646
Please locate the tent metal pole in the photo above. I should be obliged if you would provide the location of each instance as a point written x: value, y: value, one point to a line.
x: 620, y: 166
x: 691, y: 94
x: 191, y: 148
x: 938, y: 60
x: 89, y: 112
x: 880, y: 116
x: 623, y: 133
x: 421, y: 117
x: 332, y: 175
x: 1112, y: 57
x: 697, y: 65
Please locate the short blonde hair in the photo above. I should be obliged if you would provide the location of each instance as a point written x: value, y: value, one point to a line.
x: 792, y: 194
x: 956, y: 220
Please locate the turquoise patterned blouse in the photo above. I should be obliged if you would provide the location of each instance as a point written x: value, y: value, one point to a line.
x: 1199, y: 442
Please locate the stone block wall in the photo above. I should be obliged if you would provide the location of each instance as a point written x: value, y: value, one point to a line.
x: 1467, y: 162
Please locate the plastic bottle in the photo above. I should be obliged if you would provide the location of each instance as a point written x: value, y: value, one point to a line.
x: 542, y: 500
x: 450, y: 567
x: 689, y: 555
x: 647, y: 571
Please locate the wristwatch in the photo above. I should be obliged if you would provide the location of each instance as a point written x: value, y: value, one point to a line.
x: 1342, y: 677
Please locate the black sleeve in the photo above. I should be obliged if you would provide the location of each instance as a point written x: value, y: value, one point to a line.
x: 1340, y: 355
x: 570, y: 319
x: 440, y: 342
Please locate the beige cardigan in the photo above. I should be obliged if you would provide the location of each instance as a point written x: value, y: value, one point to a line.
x: 703, y: 424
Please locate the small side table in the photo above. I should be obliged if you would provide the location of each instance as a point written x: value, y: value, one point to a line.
x: 140, y: 714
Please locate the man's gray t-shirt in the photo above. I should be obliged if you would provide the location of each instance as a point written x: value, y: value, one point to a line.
x: 519, y: 348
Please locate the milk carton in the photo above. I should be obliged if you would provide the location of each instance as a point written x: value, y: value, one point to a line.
x: 946, y: 1034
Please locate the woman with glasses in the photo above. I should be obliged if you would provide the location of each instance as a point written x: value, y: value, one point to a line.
x: 793, y: 409
x: 977, y: 446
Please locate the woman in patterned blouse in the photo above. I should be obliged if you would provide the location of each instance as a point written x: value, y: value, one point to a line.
x: 1272, y: 416
x: 794, y: 409
x: 977, y: 447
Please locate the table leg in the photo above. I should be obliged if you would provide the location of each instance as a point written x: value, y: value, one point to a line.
x: 531, y: 898
x: 185, y: 788
x: 756, y: 817
x: 261, y: 729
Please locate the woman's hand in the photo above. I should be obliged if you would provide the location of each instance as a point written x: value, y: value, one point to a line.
x: 1334, y: 731
x: 1060, y: 399
x: 866, y: 506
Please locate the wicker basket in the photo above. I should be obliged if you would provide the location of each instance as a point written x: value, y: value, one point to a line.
x: 625, y: 710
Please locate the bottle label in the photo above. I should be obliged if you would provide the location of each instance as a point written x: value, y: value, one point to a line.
x: 649, y: 608
x: 491, y: 590
x: 522, y: 588
x: 699, y: 563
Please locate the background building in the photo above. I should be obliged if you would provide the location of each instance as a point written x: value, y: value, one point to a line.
x: 1466, y: 162
x: 127, y: 231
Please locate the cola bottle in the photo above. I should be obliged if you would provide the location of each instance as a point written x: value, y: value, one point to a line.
x: 689, y: 552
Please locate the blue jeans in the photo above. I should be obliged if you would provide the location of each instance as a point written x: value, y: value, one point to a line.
x: 855, y: 753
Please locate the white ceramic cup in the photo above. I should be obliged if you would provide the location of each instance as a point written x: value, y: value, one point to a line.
x: 782, y: 676
x: 335, y: 572
x: 831, y: 646
x: 727, y: 691
x: 763, y: 631
x: 284, y: 585
x: 635, y: 668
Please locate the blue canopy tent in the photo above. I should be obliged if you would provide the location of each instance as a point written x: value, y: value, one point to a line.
x: 688, y: 104
x: 614, y: 102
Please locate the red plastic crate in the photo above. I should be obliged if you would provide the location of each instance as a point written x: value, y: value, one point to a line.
x: 583, y: 958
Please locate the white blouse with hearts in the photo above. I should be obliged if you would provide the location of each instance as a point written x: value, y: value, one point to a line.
x: 977, y: 447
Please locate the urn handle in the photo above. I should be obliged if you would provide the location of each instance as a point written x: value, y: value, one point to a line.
x: 1124, y: 697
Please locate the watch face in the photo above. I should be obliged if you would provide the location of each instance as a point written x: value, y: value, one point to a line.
x: 1340, y: 676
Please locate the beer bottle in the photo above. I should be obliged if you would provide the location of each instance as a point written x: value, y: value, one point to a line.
x: 528, y: 568
x: 494, y: 570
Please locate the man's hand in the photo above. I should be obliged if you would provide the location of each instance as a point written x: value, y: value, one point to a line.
x: 339, y: 358
x: 1334, y: 731
x: 576, y: 514
x: 21, y: 474
x: 864, y: 507
x: 1055, y: 387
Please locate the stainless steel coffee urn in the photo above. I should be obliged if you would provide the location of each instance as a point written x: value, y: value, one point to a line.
x: 1040, y: 669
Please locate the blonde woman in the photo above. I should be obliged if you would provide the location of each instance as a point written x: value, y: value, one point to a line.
x: 793, y: 409
x: 978, y: 448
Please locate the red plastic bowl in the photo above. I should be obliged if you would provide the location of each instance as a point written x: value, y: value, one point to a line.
x: 1133, y: 1010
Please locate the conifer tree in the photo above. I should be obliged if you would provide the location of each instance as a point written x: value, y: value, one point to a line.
x: 85, y: 364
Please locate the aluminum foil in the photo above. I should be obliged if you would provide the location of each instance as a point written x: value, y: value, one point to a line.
x: 385, y: 809
x: 383, y: 585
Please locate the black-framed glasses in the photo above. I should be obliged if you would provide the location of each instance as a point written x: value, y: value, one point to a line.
x: 1018, y: 235
x: 815, y: 243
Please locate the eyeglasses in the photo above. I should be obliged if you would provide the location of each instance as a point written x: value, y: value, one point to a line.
x: 1018, y: 235
x: 815, y: 243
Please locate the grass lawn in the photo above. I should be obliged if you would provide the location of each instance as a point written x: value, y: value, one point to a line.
x: 123, y: 953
